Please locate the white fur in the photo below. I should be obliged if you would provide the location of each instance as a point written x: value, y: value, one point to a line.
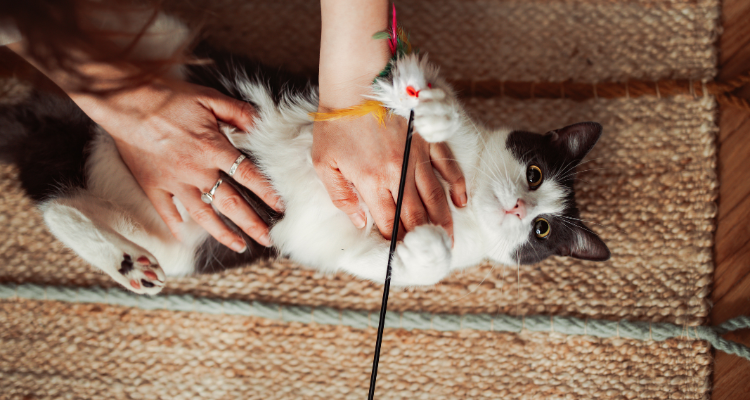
x: 113, y: 216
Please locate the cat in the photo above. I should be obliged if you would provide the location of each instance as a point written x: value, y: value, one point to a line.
x: 521, y: 206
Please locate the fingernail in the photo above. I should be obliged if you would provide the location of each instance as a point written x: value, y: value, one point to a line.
x: 265, y: 240
x: 239, y: 247
x: 280, y: 206
x: 464, y: 200
x: 358, y: 219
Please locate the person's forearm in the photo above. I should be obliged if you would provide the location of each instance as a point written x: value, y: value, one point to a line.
x: 100, y: 76
x: 349, y: 57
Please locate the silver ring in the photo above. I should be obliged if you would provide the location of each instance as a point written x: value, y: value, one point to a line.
x: 208, y: 197
x: 236, y: 164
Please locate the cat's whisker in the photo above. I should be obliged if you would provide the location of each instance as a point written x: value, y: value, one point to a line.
x: 453, y: 159
x: 502, y: 276
x: 518, y: 282
x: 572, y: 226
x: 588, y: 222
x: 572, y: 165
x: 565, y: 170
x: 576, y: 172
x: 482, y: 158
x: 592, y: 169
x: 480, y: 283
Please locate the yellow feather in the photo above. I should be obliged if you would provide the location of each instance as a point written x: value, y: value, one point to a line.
x: 373, y: 107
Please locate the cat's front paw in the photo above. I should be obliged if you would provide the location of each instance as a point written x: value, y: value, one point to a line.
x: 424, y: 257
x: 140, y: 272
x: 435, y: 118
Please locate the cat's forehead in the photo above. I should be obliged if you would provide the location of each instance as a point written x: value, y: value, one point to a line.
x: 534, y: 147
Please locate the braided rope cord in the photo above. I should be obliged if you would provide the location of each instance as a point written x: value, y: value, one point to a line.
x: 408, y: 320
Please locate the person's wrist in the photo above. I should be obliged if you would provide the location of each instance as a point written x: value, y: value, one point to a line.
x: 343, y: 94
x: 346, y: 83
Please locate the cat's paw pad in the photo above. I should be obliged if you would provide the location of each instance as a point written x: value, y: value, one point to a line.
x: 435, y: 119
x: 425, y: 256
x: 141, y: 273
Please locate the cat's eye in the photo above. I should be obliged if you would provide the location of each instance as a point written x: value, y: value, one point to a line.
x: 534, y: 177
x: 541, y: 228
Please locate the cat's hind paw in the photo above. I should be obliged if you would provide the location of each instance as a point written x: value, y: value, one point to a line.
x: 141, y: 273
x: 424, y: 255
x: 435, y: 118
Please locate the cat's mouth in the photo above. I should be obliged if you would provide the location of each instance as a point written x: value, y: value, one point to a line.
x: 512, y: 210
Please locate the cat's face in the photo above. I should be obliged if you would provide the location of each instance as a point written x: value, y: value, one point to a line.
x: 526, y: 196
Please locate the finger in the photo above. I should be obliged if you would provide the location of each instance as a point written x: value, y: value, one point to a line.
x: 166, y: 209
x: 433, y: 197
x: 231, y: 111
x: 445, y: 163
x: 413, y: 213
x: 248, y: 175
x: 383, y: 209
x: 205, y: 216
x: 342, y: 194
x: 233, y: 206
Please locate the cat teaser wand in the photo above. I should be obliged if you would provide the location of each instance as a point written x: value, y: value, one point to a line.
x: 398, y: 42
x: 394, y: 239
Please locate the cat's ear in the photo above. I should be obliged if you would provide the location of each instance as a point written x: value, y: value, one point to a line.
x: 585, y: 245
x: 577, y: 139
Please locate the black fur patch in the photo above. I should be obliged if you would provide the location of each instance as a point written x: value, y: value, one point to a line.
x: 553, y: 155
x: 212, y: 256
x: 46, y: 136
x: 226, y: 65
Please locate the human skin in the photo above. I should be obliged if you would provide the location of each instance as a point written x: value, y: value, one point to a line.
x: 360, y: 153
x: 167, y: 134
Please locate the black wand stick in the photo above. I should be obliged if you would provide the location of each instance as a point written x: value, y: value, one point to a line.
x: 394, y: 239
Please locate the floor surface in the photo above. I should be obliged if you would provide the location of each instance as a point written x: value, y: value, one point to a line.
x: 731, y: 293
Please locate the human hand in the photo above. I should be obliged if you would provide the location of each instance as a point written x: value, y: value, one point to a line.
x: 367, y: 155
x: 167, y: 133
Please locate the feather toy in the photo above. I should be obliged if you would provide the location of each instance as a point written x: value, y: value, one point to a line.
x: 373, y: 107
x: 398, y: 43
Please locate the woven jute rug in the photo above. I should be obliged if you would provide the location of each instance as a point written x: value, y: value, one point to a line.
x: 648, y: 188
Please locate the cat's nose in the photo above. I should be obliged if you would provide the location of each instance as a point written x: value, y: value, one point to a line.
x: 519, y: 210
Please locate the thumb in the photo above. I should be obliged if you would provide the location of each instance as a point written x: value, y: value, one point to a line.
x: 343, y: 196
x: 234, y: 112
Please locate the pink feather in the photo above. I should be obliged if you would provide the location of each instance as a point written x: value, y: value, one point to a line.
x: 393, y: 44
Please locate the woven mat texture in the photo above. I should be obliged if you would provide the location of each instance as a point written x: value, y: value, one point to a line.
x: 106, y: 352
x: 648, y: 188
x: 518, y: 40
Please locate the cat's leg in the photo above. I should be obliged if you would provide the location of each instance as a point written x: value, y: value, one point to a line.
x: 437, y: 117
x: 415, y: 85
x: 423, y: 258
x: 83, y: 223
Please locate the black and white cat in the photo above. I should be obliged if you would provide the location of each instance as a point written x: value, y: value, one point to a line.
x: 521, y: 205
